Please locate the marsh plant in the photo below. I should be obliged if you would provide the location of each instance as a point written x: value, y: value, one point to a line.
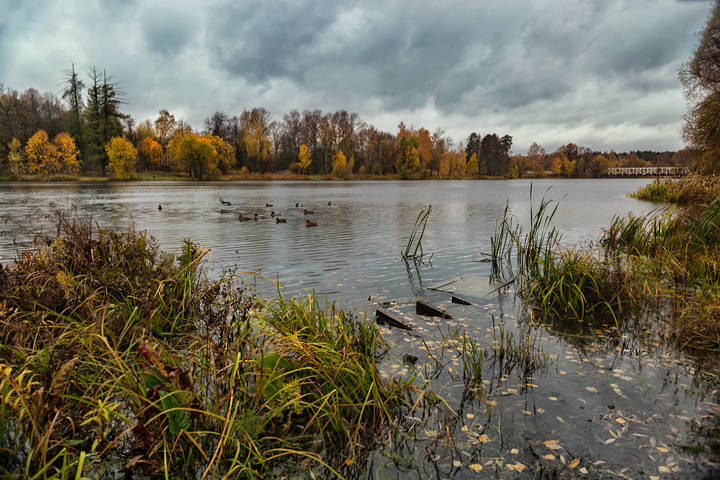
x: 666, y: 262
x: 119, y: 359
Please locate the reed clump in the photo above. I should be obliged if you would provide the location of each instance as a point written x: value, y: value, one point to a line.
x: 691, y: 189
x: 667, y: 260
x: 117, y: 359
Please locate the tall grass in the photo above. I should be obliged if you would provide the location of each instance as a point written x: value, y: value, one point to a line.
x: 691, y: 189
x: 413, y: 249
x: 117, y: 359
x: 667, y: 259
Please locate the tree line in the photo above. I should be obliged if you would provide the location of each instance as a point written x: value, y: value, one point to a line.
x: 84, y: 130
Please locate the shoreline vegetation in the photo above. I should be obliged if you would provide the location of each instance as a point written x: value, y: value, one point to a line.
x: 84, y: 134
x: 179, y: 374
x: 664, y: 265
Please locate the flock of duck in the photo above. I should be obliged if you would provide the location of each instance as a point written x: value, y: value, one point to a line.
x: 273, y: 214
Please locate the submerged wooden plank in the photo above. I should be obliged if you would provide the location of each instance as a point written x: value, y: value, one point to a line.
x: 441, y: 285
x: 385, y: 317
x: 424, y: 308
x: 460, y: 300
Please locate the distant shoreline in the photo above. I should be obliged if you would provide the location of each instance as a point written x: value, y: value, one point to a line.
x: 269, y: 177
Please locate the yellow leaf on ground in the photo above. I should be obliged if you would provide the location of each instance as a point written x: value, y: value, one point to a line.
x: 663, y: 449
x: 483, y: 438
x: 475, y: 467
x: 549, y: 457
x: 574, y: 463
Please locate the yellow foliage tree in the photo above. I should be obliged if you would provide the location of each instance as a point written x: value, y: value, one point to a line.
x: 224, y: 151
x: 151, y: 153
x: 67, y: 153
x: 304, y: 159
x: 194, y: 155
x: 341, y: 167
x: 256, y: 143
x: 41, y: 155
x: 472, y: 165
x: 122, y: 156
x: 15, y: 158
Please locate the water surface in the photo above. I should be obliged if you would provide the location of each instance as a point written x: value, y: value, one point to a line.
x: 600, y: 407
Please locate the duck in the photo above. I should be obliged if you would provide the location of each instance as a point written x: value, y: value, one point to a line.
x: 280, y: 220
x: 243, y: 219
x: 159, y: 208
x: 310, y: 223
x: 272, y: 214
x: 223, y: 211
x: 225, y: 202
x: 268, y: 204
x: 307, y: 212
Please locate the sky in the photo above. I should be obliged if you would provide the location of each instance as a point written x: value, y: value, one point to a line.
x: 599, y: 73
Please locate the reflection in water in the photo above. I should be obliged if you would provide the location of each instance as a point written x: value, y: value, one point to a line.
x: 611, y: 405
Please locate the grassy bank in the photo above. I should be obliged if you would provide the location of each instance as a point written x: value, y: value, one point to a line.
x: 665, y: 264
x: 119, y: 359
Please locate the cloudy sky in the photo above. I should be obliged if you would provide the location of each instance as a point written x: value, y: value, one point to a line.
x: 600, y: 73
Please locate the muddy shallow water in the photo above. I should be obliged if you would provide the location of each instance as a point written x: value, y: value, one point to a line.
x: 592, y: 406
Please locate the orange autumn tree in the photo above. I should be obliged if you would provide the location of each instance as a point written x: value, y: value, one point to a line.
x: 122, y: 156
x: 150, y: 152
x: 41, y: 155
x: 67, y: 153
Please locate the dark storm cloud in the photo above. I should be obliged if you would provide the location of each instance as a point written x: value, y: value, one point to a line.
x: 599, y: 72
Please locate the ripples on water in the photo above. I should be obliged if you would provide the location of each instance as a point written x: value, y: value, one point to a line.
x: 353, y: 257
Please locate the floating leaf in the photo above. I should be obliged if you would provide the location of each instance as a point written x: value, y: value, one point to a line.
x: 552, y: 444
x: 517, y: 467
x: 475, y: 467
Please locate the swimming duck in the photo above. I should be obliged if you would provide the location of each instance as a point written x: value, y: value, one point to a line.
x: 307, y: 212
x: 310, y: 223
x: 280, y: 220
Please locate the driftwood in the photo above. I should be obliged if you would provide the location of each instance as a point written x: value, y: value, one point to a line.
x: 385, y: 317
x: 424, y: 308
x: 460, y: 300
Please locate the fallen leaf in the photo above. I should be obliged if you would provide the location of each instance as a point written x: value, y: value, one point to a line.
x: 574, y: 463
x: 583, y: 470
x: 663, y: 449
x: 517, y: 467
x: 475, y: 467
x: 549, y: 457
x: 591, y: 389
x: 457, y: 463
x: 554, y: 399
x: 514, y: 451
x: 483, y: 438
x: 552, y: 444
x: 464, y: 428
x: 663, y: 469
x: 620, y: 420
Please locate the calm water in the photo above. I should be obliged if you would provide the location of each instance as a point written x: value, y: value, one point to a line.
x: 354, y: 250
x: 601, y: 408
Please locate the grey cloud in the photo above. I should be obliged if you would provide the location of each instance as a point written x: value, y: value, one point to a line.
x: 595, y: 69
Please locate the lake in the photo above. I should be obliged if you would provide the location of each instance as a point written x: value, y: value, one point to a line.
x: 596, y: 407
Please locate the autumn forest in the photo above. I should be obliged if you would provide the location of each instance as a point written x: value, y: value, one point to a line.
x: 84, y: 132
